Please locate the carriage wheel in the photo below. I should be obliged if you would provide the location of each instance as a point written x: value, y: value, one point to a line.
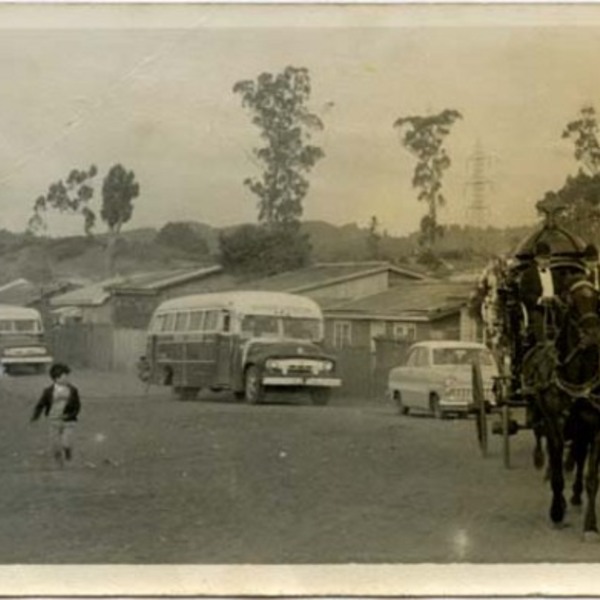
x: 480, y: 412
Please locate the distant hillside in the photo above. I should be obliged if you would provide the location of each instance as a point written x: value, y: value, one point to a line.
x: 45, y: 259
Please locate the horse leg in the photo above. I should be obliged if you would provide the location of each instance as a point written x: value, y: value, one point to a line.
x: 590, y: 526
x: 579, y: 452
x: 557, y: 482
x: 538, y: 451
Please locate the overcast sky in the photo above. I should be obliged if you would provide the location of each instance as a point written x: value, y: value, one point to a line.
x: 151, y: 87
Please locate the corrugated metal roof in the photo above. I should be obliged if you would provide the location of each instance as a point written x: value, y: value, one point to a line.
x: 19, y: 292
x: 94, y: 294
x: 324, y: 274
x: 97, y: 293
x: 411, y: 299
x: 162, y: 279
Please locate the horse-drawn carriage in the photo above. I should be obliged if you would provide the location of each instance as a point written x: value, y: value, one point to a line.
x: 540, y: 315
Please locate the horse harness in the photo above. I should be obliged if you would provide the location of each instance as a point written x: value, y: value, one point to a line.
x: 545, y: 352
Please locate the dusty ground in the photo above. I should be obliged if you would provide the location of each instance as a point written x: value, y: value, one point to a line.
x: 157, y: 481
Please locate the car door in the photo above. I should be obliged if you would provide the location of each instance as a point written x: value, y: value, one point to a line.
x: 421, y: 376
x: 405, y: 379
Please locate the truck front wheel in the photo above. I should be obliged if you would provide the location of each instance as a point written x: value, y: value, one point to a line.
x: 253, y: 387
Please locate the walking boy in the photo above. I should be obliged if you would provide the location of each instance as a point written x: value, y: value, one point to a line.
x: 60, y: 403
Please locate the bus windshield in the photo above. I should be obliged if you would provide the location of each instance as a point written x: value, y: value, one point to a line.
x: 302, y: 329
x: 260, y: 326
x: 19, y: 326
x: 287, y: 327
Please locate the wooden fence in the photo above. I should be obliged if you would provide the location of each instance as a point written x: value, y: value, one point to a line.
x: 99, y: 346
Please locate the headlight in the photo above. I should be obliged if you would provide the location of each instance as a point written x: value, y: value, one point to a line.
x: 273, y: 364
x: 450, y: 384
x: 328, y: 366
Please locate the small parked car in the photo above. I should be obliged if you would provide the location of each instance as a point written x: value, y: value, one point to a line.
x: 437, y: 377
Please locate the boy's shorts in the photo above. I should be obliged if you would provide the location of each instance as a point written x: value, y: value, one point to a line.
x: 61, y: 433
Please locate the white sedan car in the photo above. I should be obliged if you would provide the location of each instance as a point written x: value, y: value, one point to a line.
x: 437, y: 377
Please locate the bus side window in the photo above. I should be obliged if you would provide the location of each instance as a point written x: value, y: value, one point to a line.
x: 181, y: 321
x: 211, y: 320
x: 226, y: 320
x: 196, y: 319
x: 158, y: 323
x: 168, y: 322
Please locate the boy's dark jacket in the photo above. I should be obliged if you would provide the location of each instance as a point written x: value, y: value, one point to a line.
x: 72, y: 407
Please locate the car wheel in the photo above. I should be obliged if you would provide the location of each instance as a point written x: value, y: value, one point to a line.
x: 403, y: 410
x: 320, y: 397
x: 253, y: 388
x: 434, y: 405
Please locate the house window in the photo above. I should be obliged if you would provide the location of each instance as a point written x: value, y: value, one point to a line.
x: 342, y: 334
x: 405, y: 331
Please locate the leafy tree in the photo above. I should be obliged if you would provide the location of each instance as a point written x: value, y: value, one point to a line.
x: 278, y: 107
x: 261, y: 251
x: 119, y: 189
x: 584, y: 133
x: 69, y: 196
x: 73, y: 195
x: 580, y: 194
x: 374, y: 239
x: 184, y: 237
x: 424, y: 138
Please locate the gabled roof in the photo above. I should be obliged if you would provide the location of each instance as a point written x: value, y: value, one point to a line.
x: 19, y: 292
x: 423, y: 300
x: 159, y: 280
x: 326, y: 274
x: 94, y: 294
x: 98, y: 293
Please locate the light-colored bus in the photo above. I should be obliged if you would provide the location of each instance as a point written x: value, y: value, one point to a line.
x: 245, y: 341
x: 22, y: 339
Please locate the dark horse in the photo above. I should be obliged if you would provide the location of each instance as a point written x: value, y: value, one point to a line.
x: 562, y: 383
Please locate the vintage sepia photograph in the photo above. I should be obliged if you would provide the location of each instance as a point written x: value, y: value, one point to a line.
x: 299, y: 299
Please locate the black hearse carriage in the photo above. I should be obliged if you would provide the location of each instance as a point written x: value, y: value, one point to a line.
x: 506, y: 331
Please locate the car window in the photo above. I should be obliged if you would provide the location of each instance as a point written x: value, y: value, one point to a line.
x: 412, y: 358
x: 461, y: 356
x: 422, y: 358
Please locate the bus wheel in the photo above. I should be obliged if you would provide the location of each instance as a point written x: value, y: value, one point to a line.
x: 253, y: 389
x: 239, y: 395
x: 320, y: 397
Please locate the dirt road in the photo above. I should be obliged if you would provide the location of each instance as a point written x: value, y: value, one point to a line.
x: 157, y: 481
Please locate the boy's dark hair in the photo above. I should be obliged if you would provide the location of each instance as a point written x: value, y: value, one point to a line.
x: 58, y: 369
